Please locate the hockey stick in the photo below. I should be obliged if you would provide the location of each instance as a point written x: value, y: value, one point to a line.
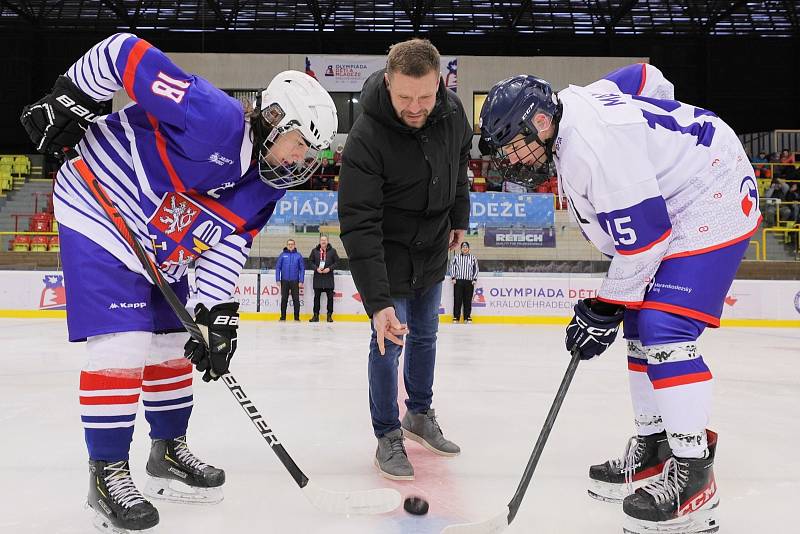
x: 374, y: 501
x: 499, y: 522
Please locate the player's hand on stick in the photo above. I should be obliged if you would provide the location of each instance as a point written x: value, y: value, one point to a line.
x: 60, y: 119
x: 388, y: 326
x: 594, y: 327
x: 219, y: 325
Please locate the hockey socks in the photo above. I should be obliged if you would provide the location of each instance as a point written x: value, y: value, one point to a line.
x: 682, y: 384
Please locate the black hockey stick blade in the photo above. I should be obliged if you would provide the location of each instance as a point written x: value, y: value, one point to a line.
x: 374, y: 501
x: 501, y: 521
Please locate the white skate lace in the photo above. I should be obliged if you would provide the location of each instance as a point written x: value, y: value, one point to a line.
x: 120, y: 484
x: 634, y: 450
x: 671, y: 482
x: 185, y: 455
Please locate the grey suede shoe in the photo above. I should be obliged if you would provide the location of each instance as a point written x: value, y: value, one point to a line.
x: 391, y: 459
x: 424, y: 429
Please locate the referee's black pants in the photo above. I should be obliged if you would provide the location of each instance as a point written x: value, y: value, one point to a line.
x: 462, y: 296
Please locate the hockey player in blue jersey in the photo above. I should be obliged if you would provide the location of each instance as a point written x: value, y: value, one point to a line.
x: 666, y: 191
x: 196, y: 177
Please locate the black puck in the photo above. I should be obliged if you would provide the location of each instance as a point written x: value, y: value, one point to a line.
x: 415, y: 505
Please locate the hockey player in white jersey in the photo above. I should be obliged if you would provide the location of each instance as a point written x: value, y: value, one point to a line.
x: 196, y: 177
x: 665, y: 190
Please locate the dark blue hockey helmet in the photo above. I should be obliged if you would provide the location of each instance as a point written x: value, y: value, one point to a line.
x: 507, y: 113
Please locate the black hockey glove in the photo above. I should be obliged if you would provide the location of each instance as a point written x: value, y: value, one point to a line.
x: 59, y: 119
x: 219, y: 326
x: 593, y: 327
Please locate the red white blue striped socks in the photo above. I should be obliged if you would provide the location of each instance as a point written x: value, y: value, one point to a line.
x: 680, y: 386
x: 121, y: 369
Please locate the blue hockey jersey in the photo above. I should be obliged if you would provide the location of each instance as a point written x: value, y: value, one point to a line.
x: 176, y: 162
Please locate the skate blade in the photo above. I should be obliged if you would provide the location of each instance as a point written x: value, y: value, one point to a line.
x: 614, y: 493
x: 163, y: 489
x: 102, y: 524
x: 703, y: 521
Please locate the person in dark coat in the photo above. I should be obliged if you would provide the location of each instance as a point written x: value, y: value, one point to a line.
x: 403, y: 201
x: 322, y: 259
x: 290, y: 272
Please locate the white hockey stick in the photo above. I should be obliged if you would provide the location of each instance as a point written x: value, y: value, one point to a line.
x: 375, y: 501
x: 501, y: 521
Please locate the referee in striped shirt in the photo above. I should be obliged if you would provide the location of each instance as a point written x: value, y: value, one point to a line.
x: 464, y: 273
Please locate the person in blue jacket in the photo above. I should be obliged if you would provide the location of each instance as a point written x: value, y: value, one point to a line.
x: 290, y: 273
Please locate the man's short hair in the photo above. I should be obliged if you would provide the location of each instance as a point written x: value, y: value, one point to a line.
x: 415, y: 57
x: 290, y: 240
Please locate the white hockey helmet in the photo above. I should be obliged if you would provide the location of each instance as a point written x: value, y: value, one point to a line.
x: 295, y: 101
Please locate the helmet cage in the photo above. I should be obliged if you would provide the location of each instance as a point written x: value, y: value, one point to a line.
x: 529, y: 170
x: 284, y: 175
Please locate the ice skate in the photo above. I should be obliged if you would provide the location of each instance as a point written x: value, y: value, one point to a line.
x: 641, y: 463
x: 118, y: 506
x: 682, y: 501
x: 177, y: 475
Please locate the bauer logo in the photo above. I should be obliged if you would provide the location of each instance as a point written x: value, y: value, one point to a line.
x: 53, y: 295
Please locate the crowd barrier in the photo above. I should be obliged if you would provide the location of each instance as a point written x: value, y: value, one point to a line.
x: 515, y: 299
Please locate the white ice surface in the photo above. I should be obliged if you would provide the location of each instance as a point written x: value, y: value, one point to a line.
x: 494, y: 385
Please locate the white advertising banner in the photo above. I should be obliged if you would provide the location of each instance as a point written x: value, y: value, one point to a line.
x: 347, y: 74
x: 495, y: 296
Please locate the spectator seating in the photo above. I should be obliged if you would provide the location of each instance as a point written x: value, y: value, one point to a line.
x: 21, y: 243
x: 39, y: 243
x: 13, y: 167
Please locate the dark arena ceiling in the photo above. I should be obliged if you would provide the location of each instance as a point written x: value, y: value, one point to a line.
x: 777, y: 18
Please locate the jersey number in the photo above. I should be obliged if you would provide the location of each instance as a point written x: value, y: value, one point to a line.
x: 170, y: 87
x: 703, y: 132
x: 620, y: 234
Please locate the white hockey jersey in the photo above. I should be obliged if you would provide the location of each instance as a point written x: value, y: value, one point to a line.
x: 650, y: 179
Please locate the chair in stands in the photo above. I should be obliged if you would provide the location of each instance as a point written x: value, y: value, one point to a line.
x: 21, y: 243
x: 41, y: 222
x: 23, y: 163
x: 53, y: 245
x: 6, y: 181
x: 39, y: 243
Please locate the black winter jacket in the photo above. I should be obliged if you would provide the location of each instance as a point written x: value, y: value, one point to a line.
x: 401, y: 191
x: 323, y: 280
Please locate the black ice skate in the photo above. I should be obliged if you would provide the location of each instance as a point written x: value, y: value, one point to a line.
x: 118, y: 505
x: 683, y: 499
x: 642, y: 462
x: 177, y: 475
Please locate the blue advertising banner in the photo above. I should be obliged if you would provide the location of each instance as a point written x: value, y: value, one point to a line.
x: 306, y: 207
x: 493, y: 209
x: 529, y: 210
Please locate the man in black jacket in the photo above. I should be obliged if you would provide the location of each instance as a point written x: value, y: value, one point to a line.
x: 403, y: 201
x: 323, y: 257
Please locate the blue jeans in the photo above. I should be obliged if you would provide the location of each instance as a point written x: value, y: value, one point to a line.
x: 421, y: 313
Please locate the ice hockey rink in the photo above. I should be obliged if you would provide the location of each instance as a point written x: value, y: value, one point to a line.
x: 494, y: 385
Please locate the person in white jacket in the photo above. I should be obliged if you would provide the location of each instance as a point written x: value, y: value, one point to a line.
x: 666, y: 191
